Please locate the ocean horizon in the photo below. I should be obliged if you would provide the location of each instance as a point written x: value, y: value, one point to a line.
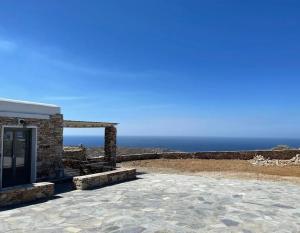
x: 187, y: 144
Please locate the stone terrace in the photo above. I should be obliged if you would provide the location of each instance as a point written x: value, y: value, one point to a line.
x: 165, y: 203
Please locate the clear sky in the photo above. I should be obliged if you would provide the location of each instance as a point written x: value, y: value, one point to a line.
x: 158, y: 67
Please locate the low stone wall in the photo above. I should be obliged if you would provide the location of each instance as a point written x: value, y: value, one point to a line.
x: 242, y: 155
x: 26, y: 193
x: 124, y: 158
x: 104, y: 178
x: 75, y: 167
x: 76, y: 153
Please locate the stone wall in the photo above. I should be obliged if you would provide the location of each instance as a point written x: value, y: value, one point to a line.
x: 104, y: 178
x: 242, y: 155
x: 77, y: 163
x: 124, y: 158
x: 26, y: 193
x: 49, y: 144
x: 76, y: 153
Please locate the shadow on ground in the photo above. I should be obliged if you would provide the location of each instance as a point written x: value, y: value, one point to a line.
x: 60, y: 188
x: 39, y: 201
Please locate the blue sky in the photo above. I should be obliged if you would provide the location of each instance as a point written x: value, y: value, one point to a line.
x: 171, y: 67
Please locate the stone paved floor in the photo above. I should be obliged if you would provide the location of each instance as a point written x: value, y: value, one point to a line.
x: 165, y: 203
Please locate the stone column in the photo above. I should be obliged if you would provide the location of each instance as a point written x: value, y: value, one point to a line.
x: 110, y: 146
x: 56, y: 144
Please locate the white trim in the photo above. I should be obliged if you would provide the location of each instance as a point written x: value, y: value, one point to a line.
x: 23, y: 107
x: 34, y: 133
x: 33, y: 150
x: 26, y: 102
x: 24, y: 115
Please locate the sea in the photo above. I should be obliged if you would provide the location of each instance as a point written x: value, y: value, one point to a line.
x: 187, y: 144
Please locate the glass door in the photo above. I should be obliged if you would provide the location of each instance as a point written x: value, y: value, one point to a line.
x: 16, y: 156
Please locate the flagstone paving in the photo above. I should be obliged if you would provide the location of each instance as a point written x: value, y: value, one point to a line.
x: 165, y: 203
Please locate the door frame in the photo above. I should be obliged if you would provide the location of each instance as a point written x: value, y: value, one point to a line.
x: 33, y: 150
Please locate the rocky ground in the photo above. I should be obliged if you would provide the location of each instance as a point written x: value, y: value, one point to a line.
x: 261, y: 161
x: 236, y: 168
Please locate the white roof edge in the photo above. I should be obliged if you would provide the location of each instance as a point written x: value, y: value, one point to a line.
x: 27, y: 102
x: 24, y: 115
x: 17, y: 107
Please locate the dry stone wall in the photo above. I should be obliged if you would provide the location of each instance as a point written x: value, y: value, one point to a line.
x: 242, y: 155
x: 105, y: 178
x: 76, y: 153
x: 26, y: 193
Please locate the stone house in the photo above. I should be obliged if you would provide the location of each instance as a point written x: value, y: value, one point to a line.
x: 31, y: 142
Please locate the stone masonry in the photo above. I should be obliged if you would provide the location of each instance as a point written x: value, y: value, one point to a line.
x: 105, y: 178
x: 242, y: 155
x: 110, y: 146
x: 26, y: 193
x: 49, y: 144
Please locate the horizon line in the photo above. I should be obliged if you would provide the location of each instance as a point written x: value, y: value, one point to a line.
x: 187, y: 136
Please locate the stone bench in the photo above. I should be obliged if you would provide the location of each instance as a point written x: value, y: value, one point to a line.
x: 104, y: 178
x: 26, y: 193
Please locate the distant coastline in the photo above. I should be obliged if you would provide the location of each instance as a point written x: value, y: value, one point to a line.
x: 187, y: 144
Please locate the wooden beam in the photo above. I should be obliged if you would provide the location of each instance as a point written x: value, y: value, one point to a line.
x: 87, y: 124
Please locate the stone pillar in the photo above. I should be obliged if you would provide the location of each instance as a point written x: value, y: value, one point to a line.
x: 56, y: 145
x: 110, y: 146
